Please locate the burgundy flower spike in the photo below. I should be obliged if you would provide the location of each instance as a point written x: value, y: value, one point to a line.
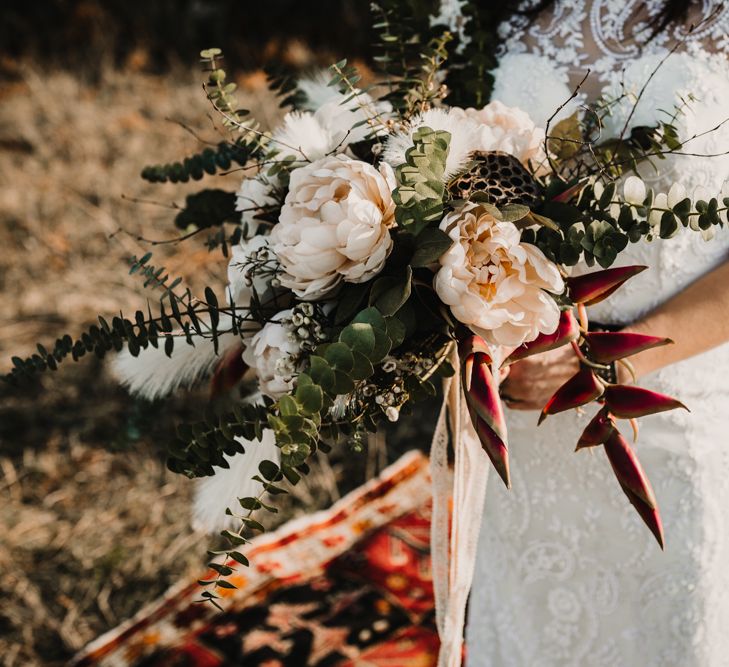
x: 634, y: 482
x: 591, y: 288
x: 596, y: 349
x: 484, y: 403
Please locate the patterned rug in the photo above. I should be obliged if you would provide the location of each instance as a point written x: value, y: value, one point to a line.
x: 344, y: 587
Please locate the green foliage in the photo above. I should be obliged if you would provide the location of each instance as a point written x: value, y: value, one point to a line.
x: 283, y: 81
x: 598, y: 229
x: 389, y: 293
x: 221, y: 92
x: 431, y: 243
x: 346, y: 78
x: 401, y: 30
x: 211, y: 160
x: 425, y: 88
x: 421, y: 190
x: 469, y: 79
x: 203, y: 444
x: 207, y: 208
x: 208, y: 161
x: 180, y: 318
x: 155, y: 276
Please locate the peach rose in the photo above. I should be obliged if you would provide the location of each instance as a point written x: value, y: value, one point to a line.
x: 493, y: 282
x: 510, y: 130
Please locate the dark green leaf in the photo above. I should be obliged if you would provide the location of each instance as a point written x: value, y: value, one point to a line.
x: 430, y: 246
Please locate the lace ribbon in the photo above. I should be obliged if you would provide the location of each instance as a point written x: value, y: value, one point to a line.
x: 452, y: 576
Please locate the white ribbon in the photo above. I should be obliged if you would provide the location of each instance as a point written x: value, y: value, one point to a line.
x: 452, y: 576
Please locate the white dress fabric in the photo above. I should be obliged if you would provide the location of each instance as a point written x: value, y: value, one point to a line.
x: 567, y: 573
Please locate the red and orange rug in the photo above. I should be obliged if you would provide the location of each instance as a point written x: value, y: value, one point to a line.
x: 344, y: 587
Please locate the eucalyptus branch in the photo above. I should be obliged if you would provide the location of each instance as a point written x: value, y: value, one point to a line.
x: 348, y: 78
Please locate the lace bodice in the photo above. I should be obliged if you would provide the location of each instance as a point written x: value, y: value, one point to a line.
x: 605, y: 35
x: 567, y: 575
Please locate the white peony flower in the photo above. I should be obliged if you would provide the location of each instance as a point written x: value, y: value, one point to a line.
x: 271, y: 353
x: 250, y: 268
x: 334, y: 225
x: 634, y: 190
x: 252, y: 198
x: 464, y: 138
x: 493, y: 282
x: 509, y: 130
x: 495, y: 127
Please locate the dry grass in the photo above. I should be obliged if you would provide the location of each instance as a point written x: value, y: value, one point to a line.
x: 92, y: 524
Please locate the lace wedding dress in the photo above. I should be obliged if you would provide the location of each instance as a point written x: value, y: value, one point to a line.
x: 567, y: 574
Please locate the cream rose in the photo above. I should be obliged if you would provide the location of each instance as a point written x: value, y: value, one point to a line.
x: 334, y: 225
x: 271, y: 353
x: 254, y: 196
x: 510, y: 130
x: 493, y: 282
x: 250, y: 269
x: 494, y: 127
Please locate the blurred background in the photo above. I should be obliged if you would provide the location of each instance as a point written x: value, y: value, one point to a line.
x: 92, y: 525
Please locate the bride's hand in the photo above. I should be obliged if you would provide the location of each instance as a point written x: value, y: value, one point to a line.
x: 530, y: 383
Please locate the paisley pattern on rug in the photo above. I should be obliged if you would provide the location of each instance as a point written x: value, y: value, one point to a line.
x: 347, y: 586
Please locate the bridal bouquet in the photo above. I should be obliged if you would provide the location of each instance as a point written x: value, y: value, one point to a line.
x: 381, y: 237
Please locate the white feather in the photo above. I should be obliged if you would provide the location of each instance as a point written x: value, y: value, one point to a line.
x: 302, y: 136
x: 214, y: 494
x: 317, y: 90
x: 464, y: 139
x: 152, y: 374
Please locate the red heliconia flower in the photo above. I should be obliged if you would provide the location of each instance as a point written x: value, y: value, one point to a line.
x: 229, y: 371
x: 628, y: 401
x: 597, y: 431
x: 484, y: 403
x: 634, y: 482
x: 567, y: 330
x: 580, y: 389
x: 591, y: 288
x: 605, y: 346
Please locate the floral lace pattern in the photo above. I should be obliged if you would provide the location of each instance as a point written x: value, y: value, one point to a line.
x: 567, y: 575
x: 603, y: 35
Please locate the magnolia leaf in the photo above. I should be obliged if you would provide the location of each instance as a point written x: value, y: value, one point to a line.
x: 349, y: 300
x: 430, y: 246
x: 321, y: 372
x: 362, y: 368
x: 396, y: 330
x: 514, y: 212
x: 343, y: 383
x: 390, y: 293
x: 371, y: 316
